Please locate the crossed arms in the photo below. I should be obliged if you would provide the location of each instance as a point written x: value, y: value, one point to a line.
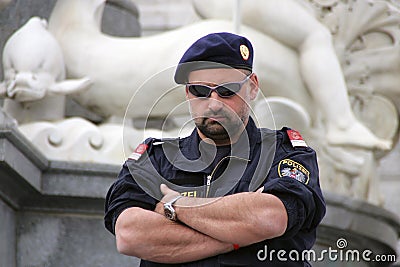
x: 206, y: 227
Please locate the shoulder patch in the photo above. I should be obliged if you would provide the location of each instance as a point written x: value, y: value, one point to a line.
x: 296, y: 139
x: 293, y: 169
x: 140, y: 149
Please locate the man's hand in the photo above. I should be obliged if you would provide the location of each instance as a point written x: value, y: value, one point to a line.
x: 169, y: 194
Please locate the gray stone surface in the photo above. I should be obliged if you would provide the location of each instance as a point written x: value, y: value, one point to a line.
x: 7, y: 235
x: 42, y: 223
x: 361, y: 227
x: 66, y: 240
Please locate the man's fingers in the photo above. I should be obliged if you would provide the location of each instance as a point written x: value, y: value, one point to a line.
x: 260, y: 190
x: 164, y: 189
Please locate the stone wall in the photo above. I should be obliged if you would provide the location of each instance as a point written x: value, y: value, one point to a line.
x: 7, y: 235
x: 52, y: 212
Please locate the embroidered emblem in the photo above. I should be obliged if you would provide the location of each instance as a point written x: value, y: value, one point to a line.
x: 293, y: 169
x: 138, y: 151
x: 296, y: 139
x: 244, y: 51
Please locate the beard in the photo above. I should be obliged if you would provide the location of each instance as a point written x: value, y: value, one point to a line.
x: 233, y: 125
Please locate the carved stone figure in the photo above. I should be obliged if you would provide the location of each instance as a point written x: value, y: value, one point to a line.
x: 34, y: 75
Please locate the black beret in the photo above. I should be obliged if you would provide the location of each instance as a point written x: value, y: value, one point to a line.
x: 215, y: 50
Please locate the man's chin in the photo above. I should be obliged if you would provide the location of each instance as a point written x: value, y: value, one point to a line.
x: 215, y: 132
x: 217, y: 136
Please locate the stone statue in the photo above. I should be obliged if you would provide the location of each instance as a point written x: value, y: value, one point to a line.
x: 35, y: 88
x: 34, y: 75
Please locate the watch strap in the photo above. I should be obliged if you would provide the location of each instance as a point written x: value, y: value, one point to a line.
x: 175, y: 199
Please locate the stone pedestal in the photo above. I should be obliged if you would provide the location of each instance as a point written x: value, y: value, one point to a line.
x: 52, y: 212
x: 360, y: 233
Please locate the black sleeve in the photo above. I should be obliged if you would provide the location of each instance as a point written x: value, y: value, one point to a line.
x: 124, y: 193
x: 302, y: 210
x: 302, y: 197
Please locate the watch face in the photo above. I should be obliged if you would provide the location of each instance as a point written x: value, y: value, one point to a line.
x: 169, y: 212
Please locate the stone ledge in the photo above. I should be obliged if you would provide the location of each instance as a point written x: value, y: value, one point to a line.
x: 365, y: 225
x: 29, y: 179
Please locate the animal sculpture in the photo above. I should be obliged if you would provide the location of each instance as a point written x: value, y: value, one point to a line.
x: 34, y: 74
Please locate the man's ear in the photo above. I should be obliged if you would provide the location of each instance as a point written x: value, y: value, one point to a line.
x: 254, y: 86
x: 187, y: 92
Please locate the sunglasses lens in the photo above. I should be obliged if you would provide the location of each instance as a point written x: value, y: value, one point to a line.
x: 224, y: 90
x: 228, y: 89
x: 199, y: 90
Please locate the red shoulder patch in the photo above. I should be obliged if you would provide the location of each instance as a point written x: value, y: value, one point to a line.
x: 141, y: 148
x: 296, y: 139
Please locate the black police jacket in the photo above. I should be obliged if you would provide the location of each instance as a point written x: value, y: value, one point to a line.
x: 261, y: 157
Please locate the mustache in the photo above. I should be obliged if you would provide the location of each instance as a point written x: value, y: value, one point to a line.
x: 210, y: 113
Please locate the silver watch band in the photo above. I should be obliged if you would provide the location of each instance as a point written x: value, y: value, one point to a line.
x: 174, y: 199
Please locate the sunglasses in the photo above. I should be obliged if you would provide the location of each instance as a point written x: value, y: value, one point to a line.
x: 223, y: 90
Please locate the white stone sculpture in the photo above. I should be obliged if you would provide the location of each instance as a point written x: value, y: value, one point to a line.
x: 34, y: 75
x: 119, y: 66
x: 368, y: 49
x: 78, y: 140
x: 283, y: 112
x: 34, y: 89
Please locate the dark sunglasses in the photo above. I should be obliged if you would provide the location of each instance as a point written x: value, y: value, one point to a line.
x: 223, y: 90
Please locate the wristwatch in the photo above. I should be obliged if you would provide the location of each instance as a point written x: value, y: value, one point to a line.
x: 169, y: 210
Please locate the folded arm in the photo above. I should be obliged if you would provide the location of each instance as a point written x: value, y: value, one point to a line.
x: 243, y: 218
x: 150, y: 236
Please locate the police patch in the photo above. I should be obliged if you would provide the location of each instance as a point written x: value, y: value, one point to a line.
x: 293, y: 169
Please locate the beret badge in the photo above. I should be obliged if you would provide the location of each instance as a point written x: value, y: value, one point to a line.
x: 244, y: 51
x: 215, y: 51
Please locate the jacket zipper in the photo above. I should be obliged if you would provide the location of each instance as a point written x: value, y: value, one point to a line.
x: 210, y: 176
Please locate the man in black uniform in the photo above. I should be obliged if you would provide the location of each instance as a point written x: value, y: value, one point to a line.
x: 230, y: 194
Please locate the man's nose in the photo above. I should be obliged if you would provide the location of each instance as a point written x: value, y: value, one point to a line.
x: 214, y: 102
